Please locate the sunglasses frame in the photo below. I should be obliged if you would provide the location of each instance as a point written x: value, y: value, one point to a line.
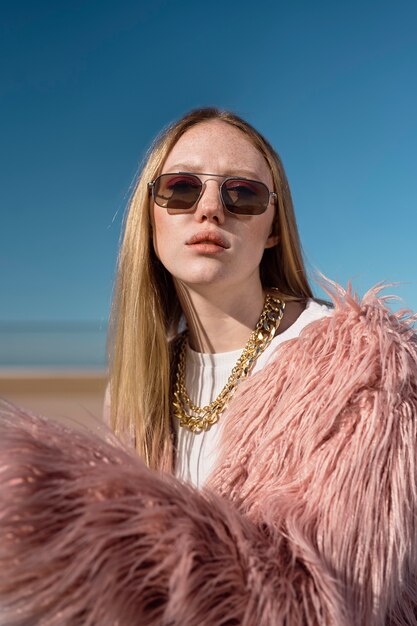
x: 272, y: 195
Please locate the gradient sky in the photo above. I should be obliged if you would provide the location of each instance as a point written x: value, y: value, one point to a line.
x: 85, y: 86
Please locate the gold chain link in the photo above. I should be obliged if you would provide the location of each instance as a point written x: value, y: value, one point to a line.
x: 197, y: 418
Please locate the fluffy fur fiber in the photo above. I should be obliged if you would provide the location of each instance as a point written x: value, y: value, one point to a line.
x: 310, y: 518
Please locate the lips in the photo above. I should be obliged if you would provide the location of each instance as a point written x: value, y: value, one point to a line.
x: 208, y: 236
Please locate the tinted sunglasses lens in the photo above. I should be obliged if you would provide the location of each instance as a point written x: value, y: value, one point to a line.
x: 245, y: 197
x: 177, y: 191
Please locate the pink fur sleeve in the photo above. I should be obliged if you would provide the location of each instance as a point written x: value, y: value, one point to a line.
x: 89, y: 536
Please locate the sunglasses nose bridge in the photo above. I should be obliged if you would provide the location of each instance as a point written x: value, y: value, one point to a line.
x: 210, y: 200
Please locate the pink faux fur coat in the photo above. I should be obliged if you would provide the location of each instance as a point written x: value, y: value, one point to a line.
x: 309, y: 519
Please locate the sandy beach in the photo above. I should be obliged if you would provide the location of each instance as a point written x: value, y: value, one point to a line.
x: 59, y: 394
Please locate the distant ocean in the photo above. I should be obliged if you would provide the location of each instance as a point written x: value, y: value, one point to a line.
x: 53, y: 344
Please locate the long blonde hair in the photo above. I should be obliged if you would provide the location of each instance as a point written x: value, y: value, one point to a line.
x: 146, y: 310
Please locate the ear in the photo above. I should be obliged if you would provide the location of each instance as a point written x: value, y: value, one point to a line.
x: 271, y: 241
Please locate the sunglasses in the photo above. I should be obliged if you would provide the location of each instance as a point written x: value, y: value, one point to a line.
x: 180, y: 191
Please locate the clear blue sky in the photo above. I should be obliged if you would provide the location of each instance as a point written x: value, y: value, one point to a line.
x: 85, y: 86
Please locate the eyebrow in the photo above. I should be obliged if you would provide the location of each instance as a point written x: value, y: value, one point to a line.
x: 184, y: 167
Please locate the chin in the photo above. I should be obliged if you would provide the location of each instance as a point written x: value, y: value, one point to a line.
x: 203, y: 281
x: 204, y: 273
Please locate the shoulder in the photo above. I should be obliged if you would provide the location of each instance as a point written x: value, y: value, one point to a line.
x: 355, y: 332
x: 359, y: 346
x: 346, y: 336
x: 348, y: 315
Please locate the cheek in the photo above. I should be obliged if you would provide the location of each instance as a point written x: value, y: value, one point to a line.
x: 255, y: 244
x: 265, y: 227
x: 159, y: 230
x: 166, y: 235
x: 262, y: 235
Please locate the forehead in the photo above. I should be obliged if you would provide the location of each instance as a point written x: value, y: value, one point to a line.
x: 216, y: 147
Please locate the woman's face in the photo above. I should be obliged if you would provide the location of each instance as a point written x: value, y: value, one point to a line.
x: 214, y: 147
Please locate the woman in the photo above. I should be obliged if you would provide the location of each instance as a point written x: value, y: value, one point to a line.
x: 204, y: 260
x: 301, y: 446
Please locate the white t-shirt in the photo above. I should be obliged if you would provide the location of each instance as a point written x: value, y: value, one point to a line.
x: 206, y: 375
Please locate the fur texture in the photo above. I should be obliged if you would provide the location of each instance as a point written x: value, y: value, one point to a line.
x: 309, y: 519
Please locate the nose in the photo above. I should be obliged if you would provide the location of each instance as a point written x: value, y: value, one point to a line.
x: 209, y: 207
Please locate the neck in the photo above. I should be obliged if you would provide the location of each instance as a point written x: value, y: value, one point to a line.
x: 220, y: 320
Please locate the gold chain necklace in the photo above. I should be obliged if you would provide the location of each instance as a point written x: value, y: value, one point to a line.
x: 197, y: 418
